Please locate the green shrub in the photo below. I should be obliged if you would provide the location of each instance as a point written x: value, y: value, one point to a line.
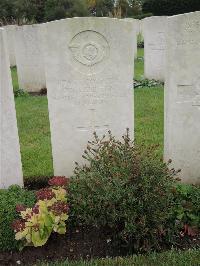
x: 148, y: 83
x: 187, y: 208
x: 143, y: 15
x: 8, y: 201
x: 124, y: 189
x: 20, y: 93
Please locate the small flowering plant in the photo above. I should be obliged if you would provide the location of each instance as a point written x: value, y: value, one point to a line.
x: 49, y: 214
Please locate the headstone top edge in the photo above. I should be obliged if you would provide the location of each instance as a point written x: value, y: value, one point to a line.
x: 183, y: 15
x: 154, y: 18
x: 28, y: 26
x: 86, y: 19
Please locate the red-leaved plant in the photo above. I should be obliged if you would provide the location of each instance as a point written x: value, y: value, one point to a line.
x: 48, y: 215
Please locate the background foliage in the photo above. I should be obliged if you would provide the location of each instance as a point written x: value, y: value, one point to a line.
x: 170, y: 7
x: 37, y: 11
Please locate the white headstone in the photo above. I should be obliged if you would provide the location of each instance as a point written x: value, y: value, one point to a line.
x: 10, y: 31
x: 139, y: 26
x: 135, y: 26
x: 154, y: 30
x: 10, y: 159
x: 182, y: 95
x: 90, y: 82
x: 29, y: 58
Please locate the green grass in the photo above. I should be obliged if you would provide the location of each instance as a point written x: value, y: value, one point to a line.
x: 15, y: 79
x: 149, y: 116
x: 170, y: 258
x: 34, y: 132
x: 139, y: 64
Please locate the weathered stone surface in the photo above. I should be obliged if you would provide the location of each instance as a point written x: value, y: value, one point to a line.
x: 10, y: 159
x: 29, y: 58
x: 139, y: 26
x: 182, y: 95
x: 10, y: 31
x: 154, y: 29
x: 89, y: 80
x: 135, y: 26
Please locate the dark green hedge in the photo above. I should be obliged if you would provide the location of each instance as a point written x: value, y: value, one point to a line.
x: 170, y: 7
x: 143, y: 15
x: 8, y: 201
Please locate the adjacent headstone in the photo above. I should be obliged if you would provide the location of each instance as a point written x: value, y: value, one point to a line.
x: 10, y: 159
x: 29, y: 58
x: 90, y: 81
x: 182, y: 95
x: 135, y: 26
x: 139, y: 26
x: 154, y: 33
x: 10, y: 31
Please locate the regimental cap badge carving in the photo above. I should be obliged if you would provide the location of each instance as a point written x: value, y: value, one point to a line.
x: 89, y: 47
